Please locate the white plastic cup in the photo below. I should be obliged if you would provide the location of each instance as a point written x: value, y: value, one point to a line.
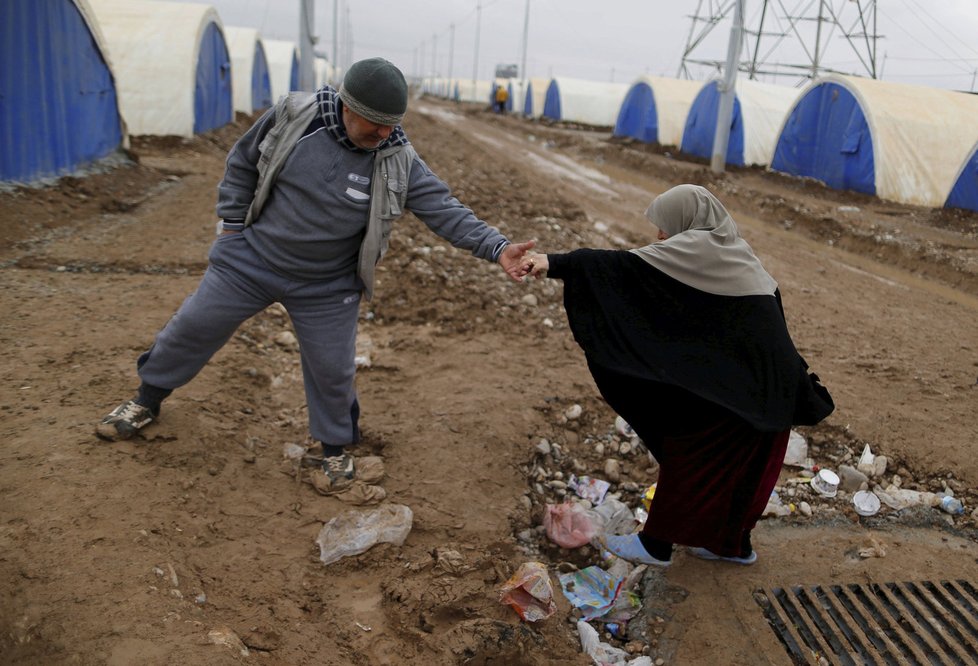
x: 826, y: 483
x: 866, y: 502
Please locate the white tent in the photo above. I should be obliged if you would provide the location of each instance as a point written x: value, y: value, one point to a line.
x: 531, y: 105
x: 759, y: 110
x: 283, y: 66
x: 900, y: 142
x: 246, y: 49
x: 580, y: 101
x: 654, y: 109
x: 467, y: 90
x: 325, y: 73
x: 171, y: 65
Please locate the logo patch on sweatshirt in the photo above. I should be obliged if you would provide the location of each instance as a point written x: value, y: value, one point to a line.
x: 358, y: 179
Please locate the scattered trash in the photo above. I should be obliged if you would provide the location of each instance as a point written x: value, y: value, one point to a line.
x: 826, y: 483
x: 623, y: 429
x: 796, y: 454
x: 354, y: 532
x: 951, y: 505
x: 593, y: 590
x: 647, y: 497
x: 602, y: 653
x: 364, y: 627
x: 866, y: 503
x: 848, y: 209
x: 775, y: 507
x: 569, y: 524
x: 612, y: 516
x: 530, y: 592
x: 587, y: 488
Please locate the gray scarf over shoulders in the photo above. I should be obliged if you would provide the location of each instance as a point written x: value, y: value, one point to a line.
x: 392, y: 169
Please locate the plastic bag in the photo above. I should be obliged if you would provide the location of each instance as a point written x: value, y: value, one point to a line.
x: 604, y: 654
x: 568, y: 525
x: 613, y: 516
x: 530, y: 592
x: 354, y: 532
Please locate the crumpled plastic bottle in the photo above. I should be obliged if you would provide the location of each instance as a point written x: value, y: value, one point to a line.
x: 951, y: 505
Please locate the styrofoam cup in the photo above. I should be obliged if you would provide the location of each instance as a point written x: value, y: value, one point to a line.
x: 826, y: 483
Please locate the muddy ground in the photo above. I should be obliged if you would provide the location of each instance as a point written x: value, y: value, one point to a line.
x: 195, y: 543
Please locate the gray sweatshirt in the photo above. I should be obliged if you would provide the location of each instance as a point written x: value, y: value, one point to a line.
x: 313, y: 222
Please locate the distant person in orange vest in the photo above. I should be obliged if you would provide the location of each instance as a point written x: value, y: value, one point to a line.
x: 502, y: 96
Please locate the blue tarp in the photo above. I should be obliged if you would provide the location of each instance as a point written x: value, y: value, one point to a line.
x: 964, y: 194
x: 826, y: 137
x: 551, y: 104
x: 261, y: 82
x: 528, y: 100
x: 294, y: 74
x: 701, y: 123
x: 58, y: 107
x: 638, y: 117
x: 213, y: 106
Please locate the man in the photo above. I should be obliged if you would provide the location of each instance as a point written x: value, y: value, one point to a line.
x: 308, y: 200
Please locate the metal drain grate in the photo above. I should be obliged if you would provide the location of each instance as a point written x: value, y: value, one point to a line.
x: 926, y: 623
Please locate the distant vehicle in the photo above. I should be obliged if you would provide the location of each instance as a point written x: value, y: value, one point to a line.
x: 507, y: 71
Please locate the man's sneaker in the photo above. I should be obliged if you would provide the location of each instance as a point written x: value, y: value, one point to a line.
x: 124, y: 421
x: 705, y: 554
x: 339, y: 469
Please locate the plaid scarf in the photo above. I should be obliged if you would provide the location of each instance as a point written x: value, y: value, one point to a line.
x: 330, y: 107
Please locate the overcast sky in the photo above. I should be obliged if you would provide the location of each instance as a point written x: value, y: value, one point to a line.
x: 923, y: 42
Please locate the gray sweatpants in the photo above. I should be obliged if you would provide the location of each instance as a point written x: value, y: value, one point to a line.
x: 238, y: 285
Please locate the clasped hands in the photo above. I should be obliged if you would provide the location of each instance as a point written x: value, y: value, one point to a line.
x: 519, y: 263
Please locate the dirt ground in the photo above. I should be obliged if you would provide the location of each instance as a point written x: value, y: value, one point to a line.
x: 194, y: 543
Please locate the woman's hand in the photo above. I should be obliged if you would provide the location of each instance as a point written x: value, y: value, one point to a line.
x: 535, y: 264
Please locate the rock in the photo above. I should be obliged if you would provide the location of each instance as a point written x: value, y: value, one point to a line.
x: 880, y: 466
x: 286, y: 339
x: 851, y: 479
x: 530, y: 300
x: 543, y: 447
x: 612, y: 470
x: 573, y: 412
x: 806, y: 509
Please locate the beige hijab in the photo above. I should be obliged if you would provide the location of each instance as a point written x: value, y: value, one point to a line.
x: 704, y: 249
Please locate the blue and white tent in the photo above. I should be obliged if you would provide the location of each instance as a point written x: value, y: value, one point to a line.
x: 964, y: 193
x: 172, y: 66
x: 283, y: 66
x: 536, y: 95
x: 905, y: 143
x: 759, y: 110
x: 655, y: 108
x: 249, y: 70
x: 587, y: 102
x: 59, y: 108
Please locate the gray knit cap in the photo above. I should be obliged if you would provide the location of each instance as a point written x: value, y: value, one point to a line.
x: 375, y: 89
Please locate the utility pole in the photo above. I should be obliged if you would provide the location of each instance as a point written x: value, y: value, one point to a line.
x: 451, y: 51
x: 526, y: 35
x: 478, y: 26
x: 434, y: 56
x: 336, y: 40
x: 307, y: 67
x: 727, y: 90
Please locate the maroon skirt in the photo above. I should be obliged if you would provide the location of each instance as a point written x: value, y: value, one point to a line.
x: 714, y: 484
x: 716, y: 470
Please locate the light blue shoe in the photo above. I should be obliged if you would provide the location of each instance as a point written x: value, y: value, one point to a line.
x: 629, y: 547
x: 705, y: 554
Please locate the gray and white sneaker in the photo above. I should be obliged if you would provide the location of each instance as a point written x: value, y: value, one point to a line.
x: 124, y: 421
x: 339, y: 469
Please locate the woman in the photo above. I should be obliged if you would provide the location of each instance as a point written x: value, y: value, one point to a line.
x: 687, y: 341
